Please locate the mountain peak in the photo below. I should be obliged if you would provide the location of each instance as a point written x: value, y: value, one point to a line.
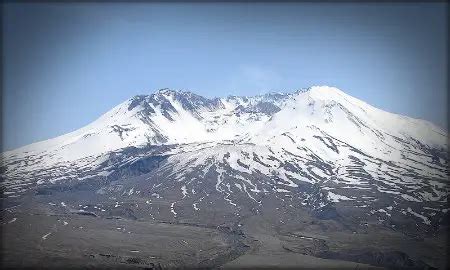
x: 152, y: 119
x: 325, y: 93
x: 321, y: 89
x: 166, y: 91
x: 173, y: 92
x: 314, y: 90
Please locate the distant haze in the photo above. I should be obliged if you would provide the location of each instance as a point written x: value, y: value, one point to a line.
x: 64, y: 65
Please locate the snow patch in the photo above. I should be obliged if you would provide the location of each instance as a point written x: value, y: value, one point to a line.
x: 184, y: 191
x: 44, y: 237
x: 425, y: 219
x: 173, y: 210
x: 333, y: 197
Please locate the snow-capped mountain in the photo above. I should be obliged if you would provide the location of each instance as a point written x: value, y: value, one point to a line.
x: 170, y: 117
x: 317, y: 149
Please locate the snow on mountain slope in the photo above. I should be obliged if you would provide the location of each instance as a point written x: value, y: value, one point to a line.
x: 169, y: 117
x: 315, y: 147
x: 371, y: 130
x: 166, y: 117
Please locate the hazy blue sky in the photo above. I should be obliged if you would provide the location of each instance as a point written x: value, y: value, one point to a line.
x: 66, y: 64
